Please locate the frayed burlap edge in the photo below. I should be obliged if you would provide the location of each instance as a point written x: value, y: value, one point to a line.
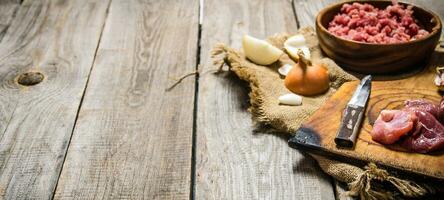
x: 360, y: 181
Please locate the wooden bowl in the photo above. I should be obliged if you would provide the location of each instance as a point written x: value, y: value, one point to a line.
x: 378, y: 58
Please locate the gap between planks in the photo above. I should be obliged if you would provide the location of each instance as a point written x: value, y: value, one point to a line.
x: 156, y: 175
x: 32, y: 159
x: 196, y: 103
x: 83, y: 96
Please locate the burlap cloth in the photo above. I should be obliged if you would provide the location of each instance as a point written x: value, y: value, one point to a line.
x: 267, y: 85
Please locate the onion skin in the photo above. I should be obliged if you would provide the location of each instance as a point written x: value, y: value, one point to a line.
x: 307, y: 79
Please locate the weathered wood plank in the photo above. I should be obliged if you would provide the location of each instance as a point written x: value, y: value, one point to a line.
x: 306, y: 10
x: 133, y: 139
x: 233, y: 162
x: 8, y: 9
x: 57, y: 39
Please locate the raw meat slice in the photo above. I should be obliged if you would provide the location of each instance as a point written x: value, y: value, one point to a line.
x: 392, y: 125
x: 422, y: 105
x: 430, y: 135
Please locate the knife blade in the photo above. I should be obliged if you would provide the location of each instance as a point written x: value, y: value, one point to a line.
x: 353, y: 114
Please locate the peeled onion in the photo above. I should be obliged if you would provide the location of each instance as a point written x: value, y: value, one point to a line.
x: 260, y: 51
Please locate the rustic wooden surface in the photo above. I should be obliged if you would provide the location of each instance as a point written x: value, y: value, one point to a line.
x: 133, y: 139
x: 57, y: 39
x: 103, y: 104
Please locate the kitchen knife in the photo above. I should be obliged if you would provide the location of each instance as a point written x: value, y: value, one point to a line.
x: 353, y: 114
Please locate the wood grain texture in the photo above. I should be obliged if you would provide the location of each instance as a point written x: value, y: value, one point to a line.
x: 232, y: 160
x: 133, y: 139
x: 307, y: 10
x: 8, y: 9
x: 57, y: 39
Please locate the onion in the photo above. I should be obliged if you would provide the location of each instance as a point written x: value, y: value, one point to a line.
x: 306, y: 78
x: 260, y: 51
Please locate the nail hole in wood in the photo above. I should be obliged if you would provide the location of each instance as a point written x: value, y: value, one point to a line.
x: 30, y: 78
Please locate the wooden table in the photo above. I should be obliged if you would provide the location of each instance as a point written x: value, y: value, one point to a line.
x: 85, y: 114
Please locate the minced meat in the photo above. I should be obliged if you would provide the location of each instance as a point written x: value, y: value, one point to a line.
x: 365, y: 23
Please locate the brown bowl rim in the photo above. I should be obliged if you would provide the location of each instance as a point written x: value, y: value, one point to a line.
x: 433, y: 33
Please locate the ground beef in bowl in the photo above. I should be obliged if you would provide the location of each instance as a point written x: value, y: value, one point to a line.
x: 366, y: 23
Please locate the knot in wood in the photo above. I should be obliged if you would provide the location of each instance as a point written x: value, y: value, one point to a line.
x: 30, y: 78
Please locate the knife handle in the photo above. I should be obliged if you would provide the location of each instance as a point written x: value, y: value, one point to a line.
x: 349, y: 128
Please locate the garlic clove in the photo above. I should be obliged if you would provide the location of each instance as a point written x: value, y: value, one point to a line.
x: 295, y: 43
x: 285, y: 69
x: 290, y: 99
x: 260, y: 51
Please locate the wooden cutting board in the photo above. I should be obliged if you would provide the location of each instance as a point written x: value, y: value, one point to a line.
x: 318, y: 132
